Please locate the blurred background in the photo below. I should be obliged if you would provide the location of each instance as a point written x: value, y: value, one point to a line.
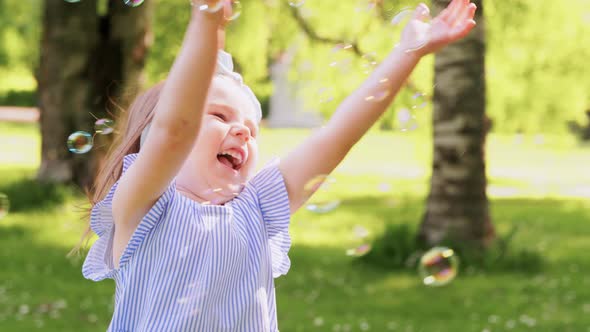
x: 465, y: 208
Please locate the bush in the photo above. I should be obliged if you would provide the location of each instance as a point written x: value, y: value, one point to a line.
x: 398, y: 248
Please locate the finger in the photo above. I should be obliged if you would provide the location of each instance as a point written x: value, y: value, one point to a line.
x: 422, y: 12
x: 446, y: 13
x: 466, y: 14
x: 462, y: 30
x: 227, y: 8
x: 457, y: 10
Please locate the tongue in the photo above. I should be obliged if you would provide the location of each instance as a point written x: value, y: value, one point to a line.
x: 225, y: 160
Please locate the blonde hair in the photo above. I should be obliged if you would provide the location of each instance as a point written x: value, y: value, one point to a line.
x: 139, y: 115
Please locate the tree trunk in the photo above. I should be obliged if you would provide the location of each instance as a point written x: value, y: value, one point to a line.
x: 87, y: 60
x: 457, y: 206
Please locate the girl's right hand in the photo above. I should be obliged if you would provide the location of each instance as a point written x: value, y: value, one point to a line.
x: 217, y: 10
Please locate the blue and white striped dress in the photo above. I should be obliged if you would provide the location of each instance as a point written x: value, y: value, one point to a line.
x: 193, y: 267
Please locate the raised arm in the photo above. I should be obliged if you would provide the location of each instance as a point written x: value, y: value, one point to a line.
x: 174, y: 128
x: 323, y: 151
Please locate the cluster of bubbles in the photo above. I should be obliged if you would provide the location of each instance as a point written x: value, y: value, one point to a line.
x: 437, y: 267
x: 341, y: 56
x: 81, y: 142
x: 130, y: 3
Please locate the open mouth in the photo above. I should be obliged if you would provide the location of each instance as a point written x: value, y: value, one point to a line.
x: 231, y: 159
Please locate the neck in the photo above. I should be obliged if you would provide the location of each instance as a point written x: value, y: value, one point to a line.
x: 212, y: 198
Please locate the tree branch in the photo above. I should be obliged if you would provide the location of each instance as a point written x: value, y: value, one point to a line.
x: 313, y: 35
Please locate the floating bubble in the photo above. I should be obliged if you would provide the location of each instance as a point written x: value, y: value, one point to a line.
x: 384, y: 187
x: 80, y: 142
x: 236, y: 9
x: 296, y: 3
x: 420, y: 29
x: 341, y: 47
x: 325, y: 95
x: 209, y: 7
x: 419, y: 100
x: 361, y: 250
x: 360, y: 232
x: 406, y: 120
x: 104, y: 126
x: 323, y: 207
x: 133, y: 3
x: 438, y: 266
x: 378, y: 96
x: 340, y: 57
x: 402, y: 17
x: 222, y: 194
x: 369, y: 63
x: 314, y: 184
x: 4, y: 205
x: 367, y: 5
x: 320, y: 201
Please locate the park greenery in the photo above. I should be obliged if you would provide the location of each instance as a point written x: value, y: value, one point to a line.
x: 533, y: 277
x: 539, y: 47
x: 326, y: 290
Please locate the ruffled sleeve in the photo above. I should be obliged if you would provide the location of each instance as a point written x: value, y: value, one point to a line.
x: 99, y: 263
x: 273, y: 200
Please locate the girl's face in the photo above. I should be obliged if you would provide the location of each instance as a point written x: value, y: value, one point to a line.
x: 224, y: 156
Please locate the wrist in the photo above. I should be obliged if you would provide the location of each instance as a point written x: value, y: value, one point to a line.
x: 404, y: 51
x: 204, y: 10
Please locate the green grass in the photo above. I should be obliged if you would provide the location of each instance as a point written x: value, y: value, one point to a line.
x: 325, y: 290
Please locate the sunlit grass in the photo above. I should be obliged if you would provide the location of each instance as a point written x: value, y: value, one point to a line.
x: 326, y: 290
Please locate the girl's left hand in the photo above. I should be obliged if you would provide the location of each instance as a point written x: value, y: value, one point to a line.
x: 452, y: 24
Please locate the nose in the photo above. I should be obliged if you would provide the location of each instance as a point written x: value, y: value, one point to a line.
x: 241, y: 131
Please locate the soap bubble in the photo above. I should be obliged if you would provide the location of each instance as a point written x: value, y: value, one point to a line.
x: 438, y: 266
x: 80, y: 142
x: 133, y: 3
x: 104, y: 126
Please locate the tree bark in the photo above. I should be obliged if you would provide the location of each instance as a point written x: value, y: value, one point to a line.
x: 87, y: 61
x: 457, y: 206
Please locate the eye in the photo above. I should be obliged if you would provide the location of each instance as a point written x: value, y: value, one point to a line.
x: 219, y: 115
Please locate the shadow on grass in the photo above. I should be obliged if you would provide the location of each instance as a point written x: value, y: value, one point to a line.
x: 31, y: 195
x: 516, y: 248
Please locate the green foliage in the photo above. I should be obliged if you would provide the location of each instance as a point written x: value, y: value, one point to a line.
x: 397, y: 248
x: 24, y: 98
x: 537, y: 72
x: 20, y: 24
x: 540, y: 49
x: 28, y: 194
x: 41, y: 289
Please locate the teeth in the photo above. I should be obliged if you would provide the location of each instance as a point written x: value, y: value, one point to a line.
x: 234, y: 155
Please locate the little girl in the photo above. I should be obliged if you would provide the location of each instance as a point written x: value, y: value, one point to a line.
x: 191, y: 235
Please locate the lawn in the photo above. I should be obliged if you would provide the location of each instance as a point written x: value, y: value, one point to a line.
x: 540, y: 184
